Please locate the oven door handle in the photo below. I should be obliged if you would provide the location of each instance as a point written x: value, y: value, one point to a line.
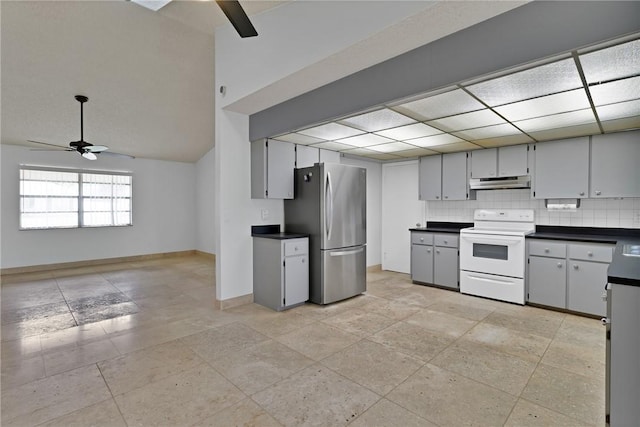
x: 490, y: 241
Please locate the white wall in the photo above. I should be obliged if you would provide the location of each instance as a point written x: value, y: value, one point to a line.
x: 374, y: 207
x: 164, y: 218
x: 205, y: 203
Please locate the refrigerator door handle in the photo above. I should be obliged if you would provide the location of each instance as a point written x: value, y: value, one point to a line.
x: 328, y: 205
x: 342, y: 253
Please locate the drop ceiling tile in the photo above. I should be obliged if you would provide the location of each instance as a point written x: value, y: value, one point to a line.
x: 611, y: 63
x: 441, y: 105
x: 330, y: 131
x: 555, y: 121
x: 619, y: 110
x: 621, y: 124
x: 403, y: 133
x: 364, y: 152
x: 384, y: 156
x: 298, y: 138
x: 333, y: 146
x: 365, y: 140
x: 455, y: 147
x: 378, y: 120
x: 544, y: 106
x: 360, y: 152
x: 618, y: 91
x: 543, y: 80
x: 467, y: 121
x: 392, y: 147
x: 435, y: 140
x: 488, y: 132
x: 503, y: 141
x: 566, y: 132
x: 416, y: 152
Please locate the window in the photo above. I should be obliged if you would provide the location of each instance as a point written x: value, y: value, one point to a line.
x: 58, y: 198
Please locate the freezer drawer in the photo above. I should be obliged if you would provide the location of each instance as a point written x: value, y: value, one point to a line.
x: 344, y: 274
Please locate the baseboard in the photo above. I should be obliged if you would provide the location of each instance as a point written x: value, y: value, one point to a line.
x: 374, y: 268
x: 233, y: 302
x: 206, y: 255
x: 94, y: 262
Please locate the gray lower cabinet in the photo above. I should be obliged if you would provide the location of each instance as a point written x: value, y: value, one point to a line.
x: 434, y: 259
x: 280, y: 272
x: 568, y: 275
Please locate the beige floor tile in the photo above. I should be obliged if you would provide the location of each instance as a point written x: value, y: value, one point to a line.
x: 147, y: 303
x: 318, y: 340
x: 449, y: 399
x: 359, y: 322
x: 571, y: 394
x: 123, y: 324
x: 486, y: 365
x: 520, y: 344
x: 20, y: 371
x: 578, y: 359
x: 412, y: 340
x: 527, y: 319
x: 389, y: 308
x: 213, y: 343
x: 7, y: 279
x: 179, y: 400
x: 315, y: 396
x: 527, y: 414
x: 103, y: 414
x: 19, y: 330
x: 260, y: 366
x: 135, y: 370
x: 442, y: 323
x: 466, y: 311
x: 48, y: 398
x: 373, y: 365
x: 30, y: 294
x: 283, y: 323
x: 23, y: 347
x: 387, y: 414
x: 582, y: 332
x: 422, y: 296
x: 72, y: 337
x: 151, y: 336
x: 245, y: 413
x: 82, y: 355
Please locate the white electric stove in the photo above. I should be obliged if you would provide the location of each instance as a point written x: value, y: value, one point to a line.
x: 492, y: 254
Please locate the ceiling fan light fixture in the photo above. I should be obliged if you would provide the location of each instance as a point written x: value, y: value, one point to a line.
x: 89, y: 155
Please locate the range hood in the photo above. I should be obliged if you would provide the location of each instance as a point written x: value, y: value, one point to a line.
x: 500, y: 183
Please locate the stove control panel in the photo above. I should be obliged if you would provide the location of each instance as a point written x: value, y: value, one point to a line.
x: 507, y: 215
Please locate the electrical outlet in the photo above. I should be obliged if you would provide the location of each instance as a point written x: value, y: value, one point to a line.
x: 265, y: 214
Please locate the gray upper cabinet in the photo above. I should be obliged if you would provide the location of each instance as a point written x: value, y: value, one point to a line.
x: 513, y: 160
x: 306, y: 156
x: 615, y: 160
x: 562, y: 169
x: 272, y: 164
x: 328, y: 156
x: 430, y: 172
x: 484, y: 163
x: 455, y: 180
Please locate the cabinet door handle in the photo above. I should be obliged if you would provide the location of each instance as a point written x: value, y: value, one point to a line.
x: 575, y: 266
x: 446, y: 197
x: 428, y: 251
x: 437, y: 197
x: 559, y: 265
x: 582, y: 193
x: 437, y: 251
x: 446, y: 243
x: 590, y: 253
x: 422, y: 239
x: 598, y: 193
x: 546, y: 250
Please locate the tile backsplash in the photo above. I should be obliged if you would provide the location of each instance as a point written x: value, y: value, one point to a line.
x: 622, y: 213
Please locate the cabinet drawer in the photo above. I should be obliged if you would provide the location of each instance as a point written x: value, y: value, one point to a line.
x: 420, y: 238
x: 547, y: 248
x: 601, y: 253
x: 296, y: 247
x: 447, y: 240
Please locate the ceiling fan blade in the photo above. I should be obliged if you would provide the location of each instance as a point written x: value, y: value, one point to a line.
x: 52, y: 145
x: 50, y: 149
x: 111, y: 153
x: 96, y: 148
x: 239, y: 19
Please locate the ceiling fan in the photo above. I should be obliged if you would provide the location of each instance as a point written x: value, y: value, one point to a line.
x: 238, y: 17
x: 86, y: 149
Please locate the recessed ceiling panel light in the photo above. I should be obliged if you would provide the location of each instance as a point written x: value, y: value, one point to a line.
x: 384, y: 156
x: 365, y: 140
x: 392, y: 147
x: 621, y: 124
x: 415, y: 152
x: 333, y: 146
x: 572, y: 118
x: 467, y: 121
x: 544, y: 106
x: 611, y: 63
x: 488, y: 132
x: 378, y: 120
x: 442, y: 105
x: 435, y: 140
x: 503, y: 141
x: 543, y: 80
x: 619, y: 110
x: 416, y: 130
x: 458, y: 146
x: 618, y: 91
x: 298, y: 138
x: 330, y: 131
x: 566, y: 132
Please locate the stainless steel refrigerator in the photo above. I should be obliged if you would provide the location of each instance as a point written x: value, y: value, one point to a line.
x: 330, y: 205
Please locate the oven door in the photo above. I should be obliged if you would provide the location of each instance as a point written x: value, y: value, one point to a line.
x: 492, y: 254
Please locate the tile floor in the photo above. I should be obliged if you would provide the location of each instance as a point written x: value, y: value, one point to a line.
x: 140, y: 344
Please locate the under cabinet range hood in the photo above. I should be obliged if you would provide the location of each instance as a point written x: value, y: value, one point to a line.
x: 500, y: 183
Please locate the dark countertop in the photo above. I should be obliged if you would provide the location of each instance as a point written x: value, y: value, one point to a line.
x: 443, y: 227
x: 280, y: 236
x: 624, y: 270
